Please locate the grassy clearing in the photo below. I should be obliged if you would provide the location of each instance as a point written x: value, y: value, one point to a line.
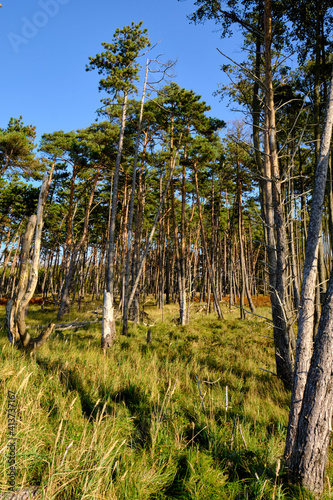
x: 131, y: 424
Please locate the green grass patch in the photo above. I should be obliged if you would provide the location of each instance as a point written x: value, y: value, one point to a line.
x: 131, y: 425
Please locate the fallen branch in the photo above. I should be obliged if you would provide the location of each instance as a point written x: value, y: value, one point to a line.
x: 254, y: 314
x: 78, y: 324
x: 268, y: 371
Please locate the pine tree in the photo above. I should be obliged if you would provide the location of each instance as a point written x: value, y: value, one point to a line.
x: 120, y: 70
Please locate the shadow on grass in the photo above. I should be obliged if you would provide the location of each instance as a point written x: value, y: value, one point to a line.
x: 132, y: 397
x: 139, y: 407
x: 72, y: 381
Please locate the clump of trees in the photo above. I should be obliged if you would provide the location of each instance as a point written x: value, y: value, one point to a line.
x: 151, y: 200
x: 293, y: 160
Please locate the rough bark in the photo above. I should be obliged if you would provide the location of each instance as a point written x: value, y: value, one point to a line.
x: 307, y: 304
x: 282, y: 330
x: 308, y: 460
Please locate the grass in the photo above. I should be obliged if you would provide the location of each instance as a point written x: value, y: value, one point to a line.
x: 130, y: 424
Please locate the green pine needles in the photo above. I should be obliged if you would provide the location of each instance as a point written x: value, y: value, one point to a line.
x: 118, y: 63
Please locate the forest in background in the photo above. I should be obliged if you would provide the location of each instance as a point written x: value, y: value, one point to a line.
x: 159, y: 198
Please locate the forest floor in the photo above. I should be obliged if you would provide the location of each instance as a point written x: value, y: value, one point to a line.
x: 195, y: 414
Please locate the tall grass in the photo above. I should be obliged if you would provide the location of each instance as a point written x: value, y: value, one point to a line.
x: 130, y: 424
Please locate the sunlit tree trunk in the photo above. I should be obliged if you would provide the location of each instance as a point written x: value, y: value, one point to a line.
x: 28, y: 276
x: 304, y: 347
x: 109, y: 325
x: 131, y: 211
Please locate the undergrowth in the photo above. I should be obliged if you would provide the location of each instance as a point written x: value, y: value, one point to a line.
x: 132, y: 424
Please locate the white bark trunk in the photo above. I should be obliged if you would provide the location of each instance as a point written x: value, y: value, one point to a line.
x: 16, y: 308
x: 108, y: 325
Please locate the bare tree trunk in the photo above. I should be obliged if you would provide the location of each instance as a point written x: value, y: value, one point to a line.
x: 16, y: 307
x: 11, y: 278
x: 307, y: 303
x: 131, y: 209
x: 281, y: 320
x: 209, y: 269
x: 294, y: 273
x: 7, y: 257
x: 181, y: 283
x: 64, y: 304
x: 152, y: 231
x: 109, y: 327
x: 4, y: 253
x: 309, y: 454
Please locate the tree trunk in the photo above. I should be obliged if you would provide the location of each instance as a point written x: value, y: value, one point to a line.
x: 8, y: 255
x: 307, y: 304
x: 64, y: 304
x: 152, y: 231
x: 109, y: 327
x: 281, y: 320
x: 181, y: 282
x: 17, y: 307
x: 309, y: 455
x: 209, y: 269
x: 12, y: 273
x: 131, y: 209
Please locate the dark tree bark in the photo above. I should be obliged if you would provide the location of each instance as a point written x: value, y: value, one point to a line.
x: 283, y: 335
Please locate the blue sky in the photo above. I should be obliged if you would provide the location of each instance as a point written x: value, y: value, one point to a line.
x: 45, y: 45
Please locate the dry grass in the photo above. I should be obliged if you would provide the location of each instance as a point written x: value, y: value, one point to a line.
x: 131, y: 425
